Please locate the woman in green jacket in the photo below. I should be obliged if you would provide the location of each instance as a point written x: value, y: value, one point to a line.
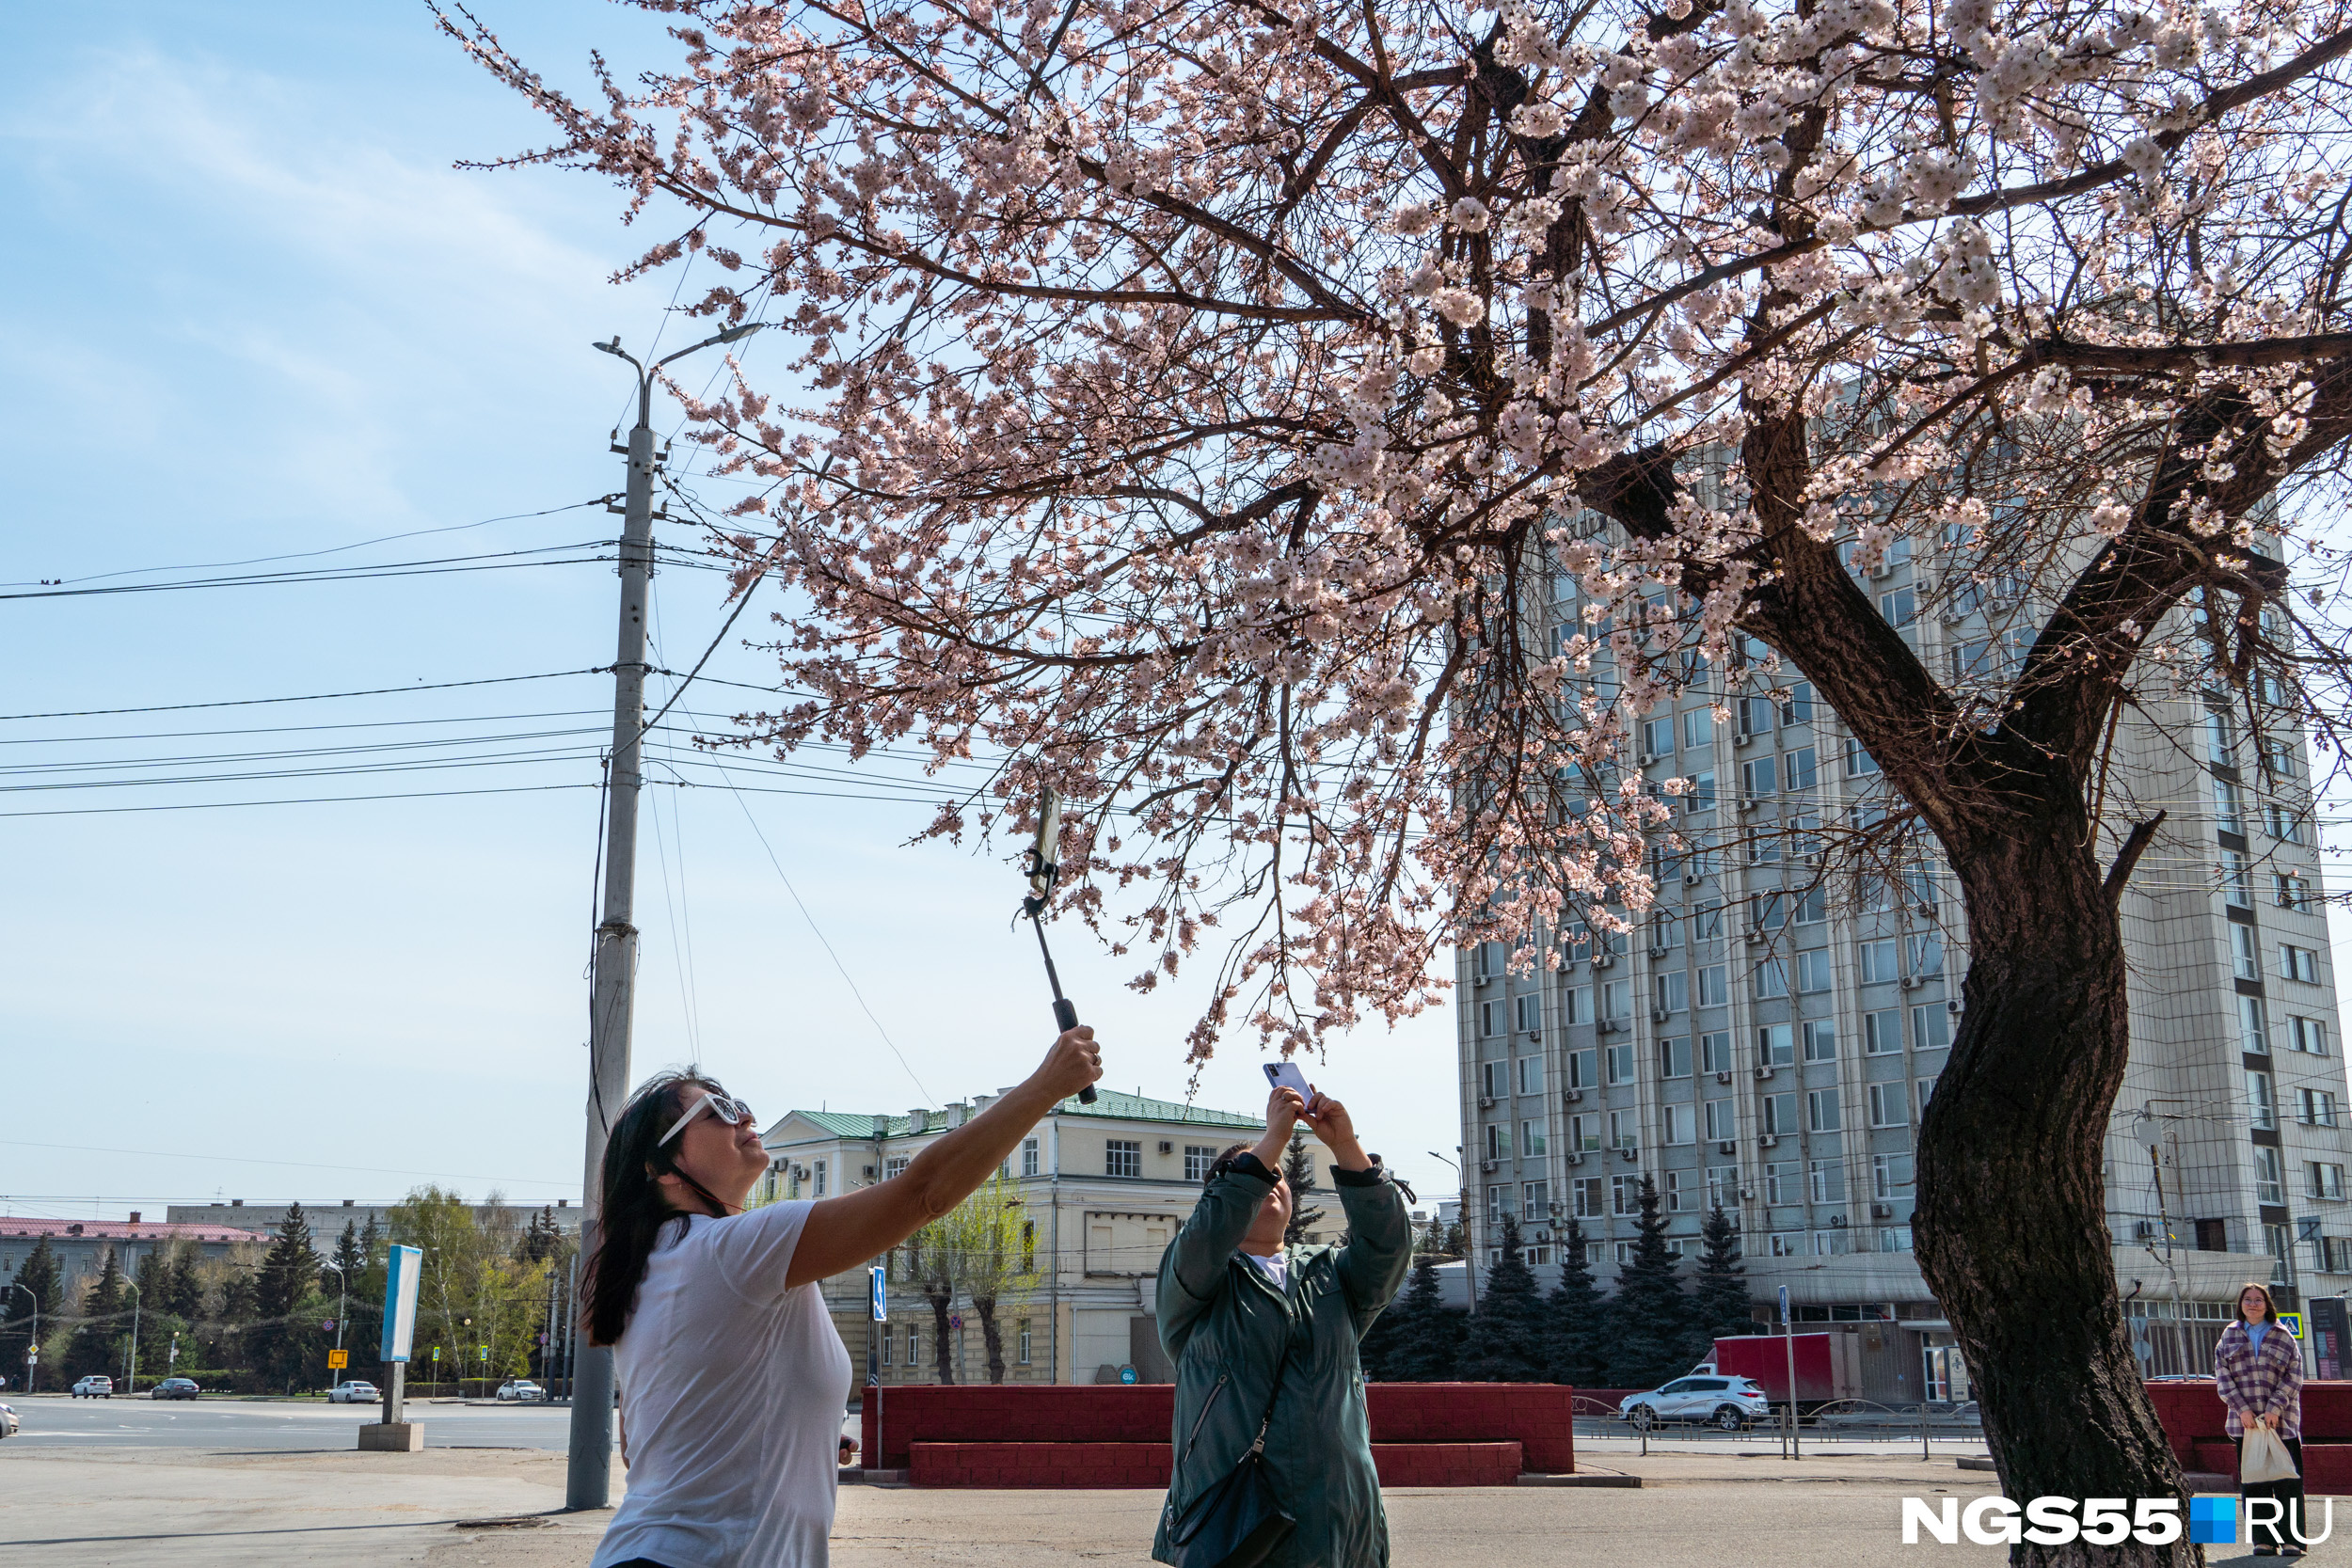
x: 1232, y: 1297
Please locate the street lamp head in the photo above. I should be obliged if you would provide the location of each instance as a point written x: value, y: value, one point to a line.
x: 734, y: 333
x: 614, y: 347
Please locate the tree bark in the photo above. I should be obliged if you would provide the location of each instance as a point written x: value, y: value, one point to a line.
x: 984, y: 1308
x: 939, y: 1335
x: 2010, y: 1222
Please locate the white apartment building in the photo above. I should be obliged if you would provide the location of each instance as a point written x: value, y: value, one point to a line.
x: 1103, y: 1188
x: 1769, y: 1036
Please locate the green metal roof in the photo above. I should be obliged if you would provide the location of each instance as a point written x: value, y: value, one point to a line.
x: 1107, y: 1102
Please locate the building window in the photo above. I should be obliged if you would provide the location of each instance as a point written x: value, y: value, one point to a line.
x: 1658, y: 736
x: 1625, y: 1130
x: 1825, y: 1181
x: 1028, y: 1156
x: 2292, y: 892
x: 1720, y: 1128
x: 2253, y: 1026
x: 2315, y: 1107
x: 1671, y: 992
x: 1821, y: 1039
x: 1625, y: 1194
x: 2295, y: 963
x: 1775, y: 1045
x: 2237, y: 881
x: 1821, y: 1109
x: 1487, y: 959
x: 1498, y: 1141
x: 1931, y: 1028
x: 1621, y: 1063
x: 1780, y: 1182
x: 1883, y: 1033
x: 1787, y: 1244
x: 1531, y: 1013
x: 1801, y: 769
x: 1878, y: 963
x: 1532, y: 1138
x: 2262, y: 1109
x: 2327, y: 1180
x: 1926, y: 953
x: 1723, y: 1186
x: 1831, y: 1244
x: 1616, y: 999
x: 1197, y: 1159
x: 1813, y: 971
x: 2220, y: 738
x: 1859, y: 761
x: 1760, y: 779
x: 1028, y: 1245
x: 1698, y: 728
x: 1489, y: 1020
x: 1927, y: 1092
x: 914, y: 1346
x: 1584, y: 1197
x: 1715, y: 1051
x: 1536, y: 1197
x: 2308, y: 1035
x: 1122, y: 1157
x: 1676, y: 1120
x: 2228, y: 814
x: 1887, y: 1107
x: 1499, y: 1203
x: 1581, y: 1074
x: 1583, y: 1133
x: 889, y: 1341
x: 817, y: 1169
x: 1890, y: 1175
x: 2270, y: 1183
x: 2244, y: 961
x: 1675, y: 1193
x: 1780, y: 1114
x: 1772, y: 979
x: 1698, y: 794
x: 1713, y: 992
x: 1895, y: 1237
x: 1674, y: 1057
x: 1022, y: 1354
x: 893, y: 1167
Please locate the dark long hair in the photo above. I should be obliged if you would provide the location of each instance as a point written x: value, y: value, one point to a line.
x: 632, y: 1207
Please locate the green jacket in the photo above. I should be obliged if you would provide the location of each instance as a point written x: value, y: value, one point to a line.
x: 1223, y: 1323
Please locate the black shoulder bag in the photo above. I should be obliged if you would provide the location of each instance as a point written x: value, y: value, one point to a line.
x: 1237, y: 1523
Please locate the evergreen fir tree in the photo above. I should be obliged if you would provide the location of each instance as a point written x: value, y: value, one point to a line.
x: 1425, y: 1334
x: 1299, y: 1171
x: 42, y: 1297
x: 541, y: 1240
x: 1719, y: 1298
x: 1506, y: 1339
x: 104, y: 1322
x: 180, y: 1288
x: 279, y: 1344
x: 1649, y: 1317
x: 1575, y: 1317
x: 350, y: 1260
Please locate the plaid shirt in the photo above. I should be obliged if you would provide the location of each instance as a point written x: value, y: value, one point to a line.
x: 2254, y: 1383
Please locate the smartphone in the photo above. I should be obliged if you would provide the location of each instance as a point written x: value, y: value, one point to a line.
x: 1285, y: 1076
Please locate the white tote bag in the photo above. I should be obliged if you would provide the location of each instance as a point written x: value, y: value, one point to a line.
x: 2265, y: 1458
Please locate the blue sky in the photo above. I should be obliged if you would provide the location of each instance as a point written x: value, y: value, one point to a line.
x: 250, y: 310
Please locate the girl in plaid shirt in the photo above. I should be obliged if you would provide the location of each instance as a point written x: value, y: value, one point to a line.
x: 2258, y: 1372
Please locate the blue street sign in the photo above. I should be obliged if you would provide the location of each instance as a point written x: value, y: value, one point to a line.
x: 1126, y: 1374
x: 880, y: 1283
x: 1784, y: 1304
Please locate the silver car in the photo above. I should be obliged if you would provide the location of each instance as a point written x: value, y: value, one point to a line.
x: 353, y: 1392
x: 1727, y: 1403
x: 8, y: 1423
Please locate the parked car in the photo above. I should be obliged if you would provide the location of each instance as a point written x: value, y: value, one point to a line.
x: 521, y: 1388
x: 175, y: 1388
x: 7, y: 1420
x: 1727, y: 1403
x: 94, y: 1387
x: 353, y: 1392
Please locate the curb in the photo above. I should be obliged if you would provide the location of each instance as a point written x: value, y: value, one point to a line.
x: 1587, y: 1478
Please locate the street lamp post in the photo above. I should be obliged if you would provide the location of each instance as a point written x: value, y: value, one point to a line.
x: 138, y: 1299
x: 1469, y: 1234
x: 588, y: 1477
x: 343, y: 1305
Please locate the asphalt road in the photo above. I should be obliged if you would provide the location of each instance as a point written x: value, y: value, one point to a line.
x: 53, y: 1421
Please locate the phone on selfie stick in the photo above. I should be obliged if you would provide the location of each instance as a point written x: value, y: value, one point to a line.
x: 1043, y: 870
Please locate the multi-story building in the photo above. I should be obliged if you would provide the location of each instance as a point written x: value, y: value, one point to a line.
x: 1102, y: 1190
x: 1768, y: 1035
x: 81, y: 1247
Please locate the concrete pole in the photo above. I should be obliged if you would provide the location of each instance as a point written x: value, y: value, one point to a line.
x: 588, y: 1480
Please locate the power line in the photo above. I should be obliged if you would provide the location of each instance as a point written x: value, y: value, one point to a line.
x: 315, y: 697
x: 499, y: 561
x: 304, y: 800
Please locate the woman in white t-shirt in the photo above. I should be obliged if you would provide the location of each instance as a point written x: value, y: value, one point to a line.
x: 733, y: 1379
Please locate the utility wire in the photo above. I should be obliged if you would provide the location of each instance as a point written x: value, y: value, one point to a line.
x: 500, y: 562
x: 315, y: 697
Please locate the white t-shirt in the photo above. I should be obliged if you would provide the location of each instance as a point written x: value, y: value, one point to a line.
x: 1275, y: 1266
x: 732, y: 1390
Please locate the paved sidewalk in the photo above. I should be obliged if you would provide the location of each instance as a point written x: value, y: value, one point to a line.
x: 190, y: 1508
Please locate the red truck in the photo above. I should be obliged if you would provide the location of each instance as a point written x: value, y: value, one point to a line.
x: 1829, y: 1365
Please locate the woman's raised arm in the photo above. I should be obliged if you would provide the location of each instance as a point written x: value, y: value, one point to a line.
x: 845, y: 1232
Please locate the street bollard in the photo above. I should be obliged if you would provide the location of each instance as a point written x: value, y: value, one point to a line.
x: 1923, y: 1430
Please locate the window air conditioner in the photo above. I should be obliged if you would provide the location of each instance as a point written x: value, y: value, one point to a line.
x: 1838, y: 1220
x: 1884, y: 569
x: 1767, y: 1140
x: 1536, y: 1034
x: 1749, y: 804
x: 1649, y: 758
x: 1814, y: 858
x: 1166, y: 1147
x: 869, y: 1172
x: 1742, y: 739
x: 1913, y: 982
x: 1659, y: 1015
x: 1885, y: 1211
x: 1727, y: 1146
x: 1763, y: 1071
x: 1626, y: 1151
x: 1692, y: 879
x: 1747, y: 1192
x: 1488, y: 1164
x: 1657, y: 952
x: 1952, y: 1006
x: 1602, y: 960
x: 1574, y: 1157
x: 1723, y: 1077
x: 1485, y: 1101
x: 1571, y: 1096
x: 1754, y: 935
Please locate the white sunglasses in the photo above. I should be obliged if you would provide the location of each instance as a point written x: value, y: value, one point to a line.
x: 733, y: 1112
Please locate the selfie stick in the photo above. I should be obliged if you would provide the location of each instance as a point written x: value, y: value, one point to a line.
x: 1042, y: 871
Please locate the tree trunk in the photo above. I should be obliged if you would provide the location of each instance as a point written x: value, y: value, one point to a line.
x: 939, y: 1335
x: 2011, y: 1216
x: 984, y: 1308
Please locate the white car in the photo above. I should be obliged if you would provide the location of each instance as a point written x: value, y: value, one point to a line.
x: 94, y: 1386
x: 353, y: 1392
x: 1727, y: 1403
x: 521, y: 1388
x: 7, y: 1420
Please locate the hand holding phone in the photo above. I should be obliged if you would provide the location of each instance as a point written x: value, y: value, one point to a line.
x: 1285, y: 1076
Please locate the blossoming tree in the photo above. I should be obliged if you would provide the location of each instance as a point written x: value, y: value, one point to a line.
x: 1199, y: 407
